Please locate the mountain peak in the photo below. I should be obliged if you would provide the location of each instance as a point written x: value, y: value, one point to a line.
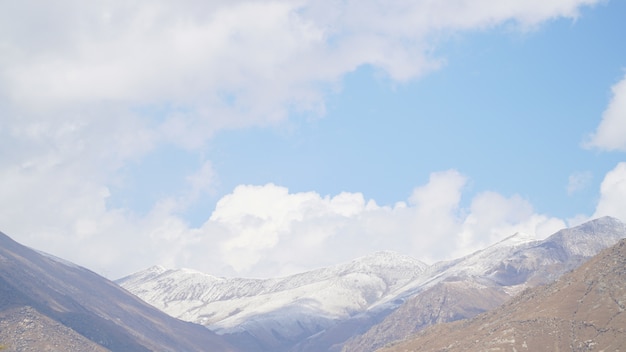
x: 604, y: 231
x: 602, y: 223
x: 156, y: 269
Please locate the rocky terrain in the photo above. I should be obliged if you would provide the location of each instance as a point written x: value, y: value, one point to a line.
x: 583, y: 311
x: 25, y: 329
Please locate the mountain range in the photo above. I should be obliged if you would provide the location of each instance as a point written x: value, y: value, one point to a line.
x: 49, y: 304
x: 275, y: 314
x: 371, y: 301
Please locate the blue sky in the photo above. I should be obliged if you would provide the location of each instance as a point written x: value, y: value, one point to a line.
x: 205, y: 136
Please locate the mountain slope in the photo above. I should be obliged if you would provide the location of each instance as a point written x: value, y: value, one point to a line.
x: 488, y: 278
x: 53, y: 291
x: 584, y: 310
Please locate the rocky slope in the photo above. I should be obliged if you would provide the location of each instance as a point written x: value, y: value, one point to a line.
x: 50, y: 304
x: 26, y: 330
x: 582, y: 311
x: 490, y: 277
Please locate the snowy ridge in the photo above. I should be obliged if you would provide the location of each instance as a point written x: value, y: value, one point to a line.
x: 518, y: 258
x: 475, y: 265
x: 315, y: 298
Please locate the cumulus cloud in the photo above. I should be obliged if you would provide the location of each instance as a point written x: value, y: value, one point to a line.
x: 611, y: 133
x: 613, y: 194
x: 263, y: 228
x: 268, y: 231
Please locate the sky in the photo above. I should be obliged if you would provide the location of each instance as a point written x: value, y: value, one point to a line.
x: 265, y: 138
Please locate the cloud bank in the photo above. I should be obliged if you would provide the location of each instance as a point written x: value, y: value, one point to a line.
x: 266, y: 227
x: 268, y: 231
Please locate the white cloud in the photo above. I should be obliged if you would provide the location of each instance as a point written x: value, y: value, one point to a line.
x: 613, y: 194
x: 492, y: 216
x: 177, y: 72
x: 204, y: 57
x: 611, y: 133
x: 202, y: 181
x: 265, y: 228
x: 578, y: 181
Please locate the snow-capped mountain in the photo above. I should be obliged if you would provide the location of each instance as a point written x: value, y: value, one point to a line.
x: 321, y: 309
x: 278, y: 311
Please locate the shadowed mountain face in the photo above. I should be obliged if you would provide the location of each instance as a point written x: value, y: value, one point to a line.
x: 582, y: 311
x: 63, y: 302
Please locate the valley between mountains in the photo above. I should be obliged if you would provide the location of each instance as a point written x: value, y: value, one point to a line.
x: 371, y: 301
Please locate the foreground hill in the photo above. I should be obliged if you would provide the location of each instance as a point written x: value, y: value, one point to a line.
x: 583, y: 311
x: 385, y: 296
x: 47, y: 304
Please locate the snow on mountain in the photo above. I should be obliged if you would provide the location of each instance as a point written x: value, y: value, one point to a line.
x: 520, y: 258
x: 475, y: 265
x: 289, y: 307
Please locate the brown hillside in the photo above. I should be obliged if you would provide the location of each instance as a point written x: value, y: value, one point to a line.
x: 582, y: 311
